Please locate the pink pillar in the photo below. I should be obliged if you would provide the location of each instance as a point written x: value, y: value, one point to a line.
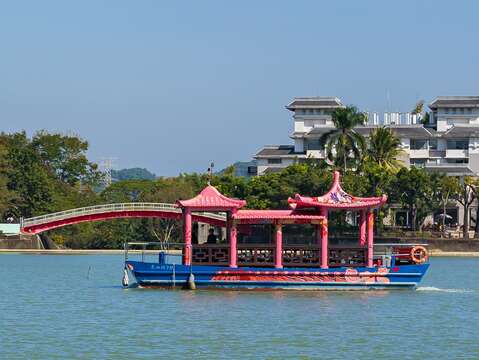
x: 362, y: 227
x: 370, y: 237
x: 324, y: 240
x: 187, y: 236
x: 278, y: 259
x: 318, y: 234
x: 233, y: 242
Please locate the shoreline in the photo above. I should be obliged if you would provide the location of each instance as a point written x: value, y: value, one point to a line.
x: 433, y: 253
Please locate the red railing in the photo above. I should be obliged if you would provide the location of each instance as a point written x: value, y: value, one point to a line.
x: 263, y: 255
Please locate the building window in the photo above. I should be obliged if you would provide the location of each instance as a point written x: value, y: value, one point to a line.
x: 418, y: 162
x: 458, y: 161
x: 433, y: 144
x: 274, y: 161
x: 252, y: 170
x: 418, y: 144
x: 446, y: 110
x: 462, y: 144
x: 312, y: 144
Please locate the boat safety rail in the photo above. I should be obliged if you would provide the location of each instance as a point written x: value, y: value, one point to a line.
x: 98, y: 209
x: 390, y: 246
x: 162, y: 245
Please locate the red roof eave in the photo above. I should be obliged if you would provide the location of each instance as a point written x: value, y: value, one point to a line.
x: 262, y: 216
x: 336, y: 198
x: 355, y: 205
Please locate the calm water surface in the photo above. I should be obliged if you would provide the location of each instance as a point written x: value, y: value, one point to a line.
x: 72, y: 307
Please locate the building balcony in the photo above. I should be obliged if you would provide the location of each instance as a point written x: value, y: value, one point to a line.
x: 316, y: 154
x: 419, y: 154
x: 437, y: 153
x: 457, y: 153
x: 450, y: 169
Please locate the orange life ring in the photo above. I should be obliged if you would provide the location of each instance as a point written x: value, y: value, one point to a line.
x: 419, y: 254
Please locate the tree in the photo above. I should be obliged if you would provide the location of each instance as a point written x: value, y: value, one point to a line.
x: 384, y: 148
x: 412, y: 188
x: 27, y: 177
x: 132, y: 174
x: 66, y: 157
x: 466, y: 197
x: 418, y: 108
x: 344, y: 141
x: 446, y: 187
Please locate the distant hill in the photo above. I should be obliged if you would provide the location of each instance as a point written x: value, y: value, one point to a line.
x: 132, y: 174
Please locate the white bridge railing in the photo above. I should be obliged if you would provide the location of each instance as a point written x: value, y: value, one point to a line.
x: 119, y: 207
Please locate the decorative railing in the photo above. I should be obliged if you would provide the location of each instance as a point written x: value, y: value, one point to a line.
x: 299, y: 255
x: 264, y: 255
x: 257, y: 255
x: 98, y: 209
x: 347, y: 257
x: 210, y: 254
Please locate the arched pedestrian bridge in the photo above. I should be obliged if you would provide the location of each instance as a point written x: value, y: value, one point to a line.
x: 38, y: 224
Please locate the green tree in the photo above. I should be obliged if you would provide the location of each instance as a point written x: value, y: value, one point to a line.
x: 344, y: 142
x: 384, y: 148
x: 446, y: 187
x: 132, y: 174
x: 466, y: 197
x: 27, y: 177
x: 66, y: 157
x: 418, y: 108
x: 413, y: 189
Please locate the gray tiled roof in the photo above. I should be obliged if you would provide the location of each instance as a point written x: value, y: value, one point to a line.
x: 272, y: 170
x: 318, y: 131
x: 411, y: 131
x: 317, y: 102
x: 454, y: 101
x: 276, y: 150
x: 459, y: 169
x: 462, y: 130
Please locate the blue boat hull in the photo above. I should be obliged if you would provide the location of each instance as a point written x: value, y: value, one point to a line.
x: 172, y: 275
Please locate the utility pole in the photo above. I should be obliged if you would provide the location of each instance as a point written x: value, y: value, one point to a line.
x: 106, y: 166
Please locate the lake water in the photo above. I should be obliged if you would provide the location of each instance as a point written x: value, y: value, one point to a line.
x: 73, y: 307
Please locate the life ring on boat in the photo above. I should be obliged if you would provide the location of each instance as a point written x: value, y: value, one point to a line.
x: 419, y: 254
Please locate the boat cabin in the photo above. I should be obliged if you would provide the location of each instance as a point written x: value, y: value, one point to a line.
x: 304, y: 211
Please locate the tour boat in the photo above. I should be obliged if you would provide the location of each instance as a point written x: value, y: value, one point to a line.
x: 279, y: 264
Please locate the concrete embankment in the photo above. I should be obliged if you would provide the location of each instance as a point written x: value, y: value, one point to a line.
x: 436, y: 246
x: 433, y: 252
x: 80, y: 251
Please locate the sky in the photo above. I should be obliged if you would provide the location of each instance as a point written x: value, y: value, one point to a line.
x: 174, y: 85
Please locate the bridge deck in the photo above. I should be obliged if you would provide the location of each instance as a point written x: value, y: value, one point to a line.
x: 41, y: 223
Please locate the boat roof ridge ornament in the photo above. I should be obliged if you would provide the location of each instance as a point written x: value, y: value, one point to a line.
x: 336, y: 198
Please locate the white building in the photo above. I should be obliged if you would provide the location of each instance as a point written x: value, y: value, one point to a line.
x: 448, y: 143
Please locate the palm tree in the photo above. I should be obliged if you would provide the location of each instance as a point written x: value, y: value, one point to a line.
x: 344, y: 140
x: 384, y: 148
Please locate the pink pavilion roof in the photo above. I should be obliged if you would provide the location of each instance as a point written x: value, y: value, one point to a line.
x: 336, y: 198
x: 211, y: 199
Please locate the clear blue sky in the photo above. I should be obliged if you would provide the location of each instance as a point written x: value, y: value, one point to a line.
x: 174, y: 85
